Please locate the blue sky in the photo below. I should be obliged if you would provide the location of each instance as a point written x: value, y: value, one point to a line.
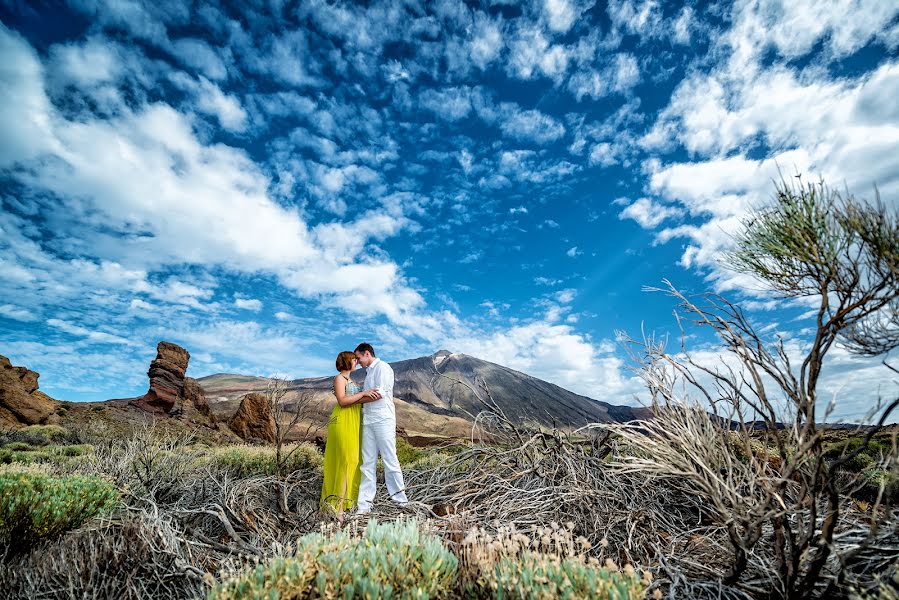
x: 269, y: 183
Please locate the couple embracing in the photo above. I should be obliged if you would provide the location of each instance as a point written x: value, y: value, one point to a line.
x: 362, y: 426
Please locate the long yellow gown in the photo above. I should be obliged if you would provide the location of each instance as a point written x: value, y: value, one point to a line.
x: 343, y: 451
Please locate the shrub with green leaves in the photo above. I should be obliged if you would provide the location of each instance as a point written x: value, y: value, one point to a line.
x: 69, y: 451
x: 549, y: 562
x: 44, y: 434
x: 431, y: 460
x: 35, y: 505
x: 406, y: 452
x: 391, y: 560
x: 17, y: 446
x: 536, y: 576
x: 245, y: 461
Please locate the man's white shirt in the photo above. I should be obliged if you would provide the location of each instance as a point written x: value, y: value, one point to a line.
x: 379, y: 375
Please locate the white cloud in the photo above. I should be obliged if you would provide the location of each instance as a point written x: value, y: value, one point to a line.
x: 648, y: 214
x: 532, y: 54
x: 518, y: 210
x: 602, y: 154
x: 793, y: 28
x: 529, y: 125
x: 248, y: 304
x: 641, y: 17
x: 24, y: 108
x: 805, y: 121
x: 209, y: 99
x: 450, y: 104
x: 565, y: 296
x: 201, y: 56
x: 166, y: 198
x: 100, y: 337
x: 486, y: 41
x: 681, y: 31
x: 626, y: 72
x: 560, y: 14
x: 573, y: 252
x: 16, y: 313
x: 618, y: 75
x: 558, y: 354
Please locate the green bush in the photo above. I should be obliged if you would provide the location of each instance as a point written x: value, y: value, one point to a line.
x: 534, y: 576
x: 392, y: 560
x: 875, y: 450
x: 73, y: 450
x: 44, y: 434
x: 406, y: 452
x: 17, y: 446
x: 428, y: 461
x: 858, y: 463
x: 35, y: 505
x: 244, y: 461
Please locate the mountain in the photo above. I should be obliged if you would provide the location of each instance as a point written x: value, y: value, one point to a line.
x: 434, y: 397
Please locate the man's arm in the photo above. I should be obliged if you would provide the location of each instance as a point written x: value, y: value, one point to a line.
x: 377, y: 376
x: 388, y: 379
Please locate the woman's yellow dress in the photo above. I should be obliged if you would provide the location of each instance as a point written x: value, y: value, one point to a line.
x: 343, y: 451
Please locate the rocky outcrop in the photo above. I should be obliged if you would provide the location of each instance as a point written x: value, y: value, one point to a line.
x: 166, y: 379
x: 171, y: 393
x: 194, y: 399
x: 20, y: 401
x: 253, y: 419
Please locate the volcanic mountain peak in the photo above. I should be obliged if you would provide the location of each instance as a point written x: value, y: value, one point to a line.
x: 450, y: 385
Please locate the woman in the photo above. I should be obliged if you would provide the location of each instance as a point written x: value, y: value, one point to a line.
x: 342, y: 450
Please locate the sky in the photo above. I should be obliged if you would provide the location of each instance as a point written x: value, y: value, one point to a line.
x: 268, y: 183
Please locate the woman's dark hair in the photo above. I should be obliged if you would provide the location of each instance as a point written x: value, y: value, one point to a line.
x: 364, y: 347
x: 345, y: 360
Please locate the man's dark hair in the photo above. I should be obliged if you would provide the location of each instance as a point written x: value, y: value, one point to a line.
x: 365, y: 347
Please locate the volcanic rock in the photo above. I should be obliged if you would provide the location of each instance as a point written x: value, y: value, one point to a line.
x: 254, y: 419
x: 194, y: 397
x: 166, y: 378
x: 20, y: 401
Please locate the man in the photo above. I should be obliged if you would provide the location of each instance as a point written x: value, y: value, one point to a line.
x: 378, y: 432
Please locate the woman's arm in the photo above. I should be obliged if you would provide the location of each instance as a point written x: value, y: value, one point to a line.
x: 344, y: 400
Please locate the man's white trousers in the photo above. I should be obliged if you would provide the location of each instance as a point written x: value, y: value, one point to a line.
x: 379, y: 438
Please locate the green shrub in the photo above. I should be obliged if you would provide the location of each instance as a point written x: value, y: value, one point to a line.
x: 549, y: 563
x: 44, y: 434
x: 244, y: 461
x: 536, y: 576
x: 17, y: 446
x: 428, y: 461
x: 35, y: 505
x: 392, y: 560
x: 73, y: 450
x: 406, y: 452
x: 875, y: 450
x: 858, y: 463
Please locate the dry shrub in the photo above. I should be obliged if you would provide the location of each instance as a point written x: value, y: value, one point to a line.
x: 130, y: 557
x: 244, y: 460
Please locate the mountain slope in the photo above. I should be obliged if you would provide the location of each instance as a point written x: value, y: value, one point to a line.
x: 433, y: 395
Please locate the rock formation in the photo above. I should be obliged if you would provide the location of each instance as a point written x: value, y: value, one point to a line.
x: 195, y: 398
x: 166, y: 379
x: 20, y: 401
x: 254, y: 419
x: 171, y: 393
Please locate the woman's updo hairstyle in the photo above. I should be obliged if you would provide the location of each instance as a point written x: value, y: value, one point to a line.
x: 345, y: 360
